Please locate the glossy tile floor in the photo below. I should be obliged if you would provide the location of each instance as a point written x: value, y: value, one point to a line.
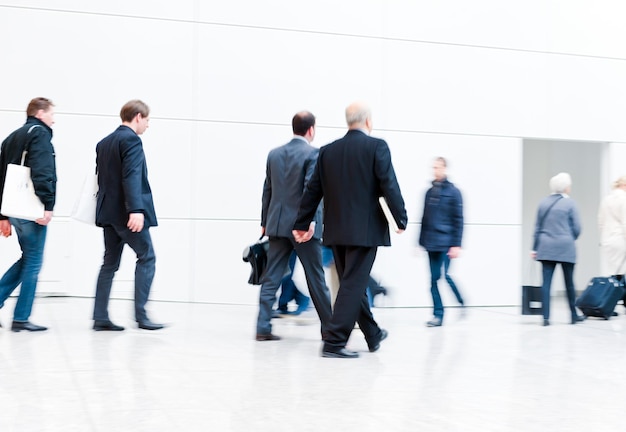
x: 491, y: 370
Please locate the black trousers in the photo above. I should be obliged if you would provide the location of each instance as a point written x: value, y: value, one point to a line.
x: 354, y: 264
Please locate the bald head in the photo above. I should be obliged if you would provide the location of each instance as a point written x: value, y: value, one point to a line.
x: 359, y: 116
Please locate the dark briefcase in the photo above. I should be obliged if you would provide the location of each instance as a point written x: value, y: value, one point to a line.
x: 531, y: 300
x: 256, y: 255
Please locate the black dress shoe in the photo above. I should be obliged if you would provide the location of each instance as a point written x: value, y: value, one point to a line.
x: 546, y: 322
x: 149, y: 325
x: 578, y: 318
x: 267, y: 337
x: 106, y: 325
x: 26, y: 325
x: 382, y: 337
x: 339, y: 353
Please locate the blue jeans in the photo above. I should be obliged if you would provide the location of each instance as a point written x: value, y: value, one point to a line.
x: 436, y: 260
x: 288, y: 290
x: 32, y: 239
x: 115, y: 237
x: 455, y: 290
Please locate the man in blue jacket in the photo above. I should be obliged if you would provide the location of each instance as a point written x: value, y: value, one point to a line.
x: 441, y: 233
x: 126, y: 212
x: 34, y: 138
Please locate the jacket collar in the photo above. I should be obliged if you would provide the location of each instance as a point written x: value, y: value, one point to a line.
x: 34, y: 121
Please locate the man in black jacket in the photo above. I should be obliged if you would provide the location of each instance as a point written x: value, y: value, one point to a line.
x: 34, y: 138
x: 351, y: 174
x: 441, y: 234
x: 126, y: 212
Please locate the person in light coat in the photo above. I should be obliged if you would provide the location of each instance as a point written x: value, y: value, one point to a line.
x: 556, y: 231
x: 612, y: 228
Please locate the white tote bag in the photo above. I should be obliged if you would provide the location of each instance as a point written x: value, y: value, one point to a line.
x: 18, y: 198
x: 85, y: 206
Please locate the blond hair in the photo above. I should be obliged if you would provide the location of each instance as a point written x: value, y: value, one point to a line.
x: 619, y: 182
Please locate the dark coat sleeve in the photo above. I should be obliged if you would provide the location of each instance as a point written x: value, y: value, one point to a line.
x: 389, y: 184
x: 310, y: 199
x: 457, y: 218
x: 133, y: 161
x: 267, y: 193
x: 42, y: 166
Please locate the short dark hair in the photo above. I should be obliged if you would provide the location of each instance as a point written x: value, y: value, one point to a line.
x: 442, y: 160
x: 39, y: 103
x: 302, y: 122
x: 132, y: 108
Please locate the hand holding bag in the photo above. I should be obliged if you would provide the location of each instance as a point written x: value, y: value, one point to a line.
x: 18, y: 197
x: 85, y: 206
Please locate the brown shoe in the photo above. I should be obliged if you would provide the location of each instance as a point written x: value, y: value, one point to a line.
x: 267, y: 337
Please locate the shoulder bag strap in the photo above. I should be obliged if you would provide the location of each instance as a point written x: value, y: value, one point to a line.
x: 26, y: 147
x: 543, y: 218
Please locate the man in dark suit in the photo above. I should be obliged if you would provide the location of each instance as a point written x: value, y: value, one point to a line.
x: 289, y: 168
x: 126, y: 212
x: 351, y: 174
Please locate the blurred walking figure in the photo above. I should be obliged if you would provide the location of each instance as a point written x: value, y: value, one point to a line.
x: 556, y: 230
x: 441, y: 234
x: 34, y: 138
x: 612, y: 226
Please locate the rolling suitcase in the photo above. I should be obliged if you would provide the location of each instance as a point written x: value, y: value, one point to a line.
x: 600, y: 297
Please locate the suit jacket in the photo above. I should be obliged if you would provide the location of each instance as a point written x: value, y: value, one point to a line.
x: 122, y: 179
x: 351, y: 174
x: 289, y: 168
x: 555, y: 239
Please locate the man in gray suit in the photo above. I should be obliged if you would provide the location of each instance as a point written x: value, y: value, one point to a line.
x: 289, y: 168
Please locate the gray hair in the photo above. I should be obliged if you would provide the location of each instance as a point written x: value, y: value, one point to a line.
x: 560, y: 182
x: 357, y: 113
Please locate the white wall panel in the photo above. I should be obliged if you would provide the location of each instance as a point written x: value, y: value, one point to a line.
x: 170, y: 155
x: 68, y: 60
x: 537, y: 25
x: 230, y: 166
x: 586, y: 98
x: 464, y: 90
x: 174, y: 242
x: 325, y: 16
x: 86, y: 244
x: 162, y: 9
x: 261, y: 75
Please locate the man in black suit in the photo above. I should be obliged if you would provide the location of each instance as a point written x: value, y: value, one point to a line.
x: 126, y: 212
x: 289, y: 168
x: 351, y: 174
